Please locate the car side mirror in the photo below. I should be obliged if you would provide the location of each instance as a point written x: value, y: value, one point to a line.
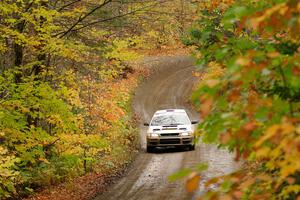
x: 195, y: 122
x: 146, y: 124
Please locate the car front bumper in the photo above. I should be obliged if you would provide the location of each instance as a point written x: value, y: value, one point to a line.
x: 170, y: 141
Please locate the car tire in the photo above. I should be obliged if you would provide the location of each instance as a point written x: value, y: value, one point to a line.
x: 149, y: 149
x: 192, y: 147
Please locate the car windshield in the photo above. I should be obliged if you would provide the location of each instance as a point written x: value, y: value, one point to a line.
x: 170, y: 119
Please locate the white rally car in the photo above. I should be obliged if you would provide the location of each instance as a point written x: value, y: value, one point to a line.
x: 171, y: 127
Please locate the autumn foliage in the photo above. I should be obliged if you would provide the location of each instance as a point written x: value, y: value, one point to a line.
x: 66, y: 83
x: 249, y: 52
x: 64, y: 95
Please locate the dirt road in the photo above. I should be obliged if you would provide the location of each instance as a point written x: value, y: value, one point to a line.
x: 168, y: 87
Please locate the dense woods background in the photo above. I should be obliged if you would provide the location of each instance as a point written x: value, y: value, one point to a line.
x: 66, y: 84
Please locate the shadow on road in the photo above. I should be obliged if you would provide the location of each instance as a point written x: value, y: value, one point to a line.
x: 162, y: 150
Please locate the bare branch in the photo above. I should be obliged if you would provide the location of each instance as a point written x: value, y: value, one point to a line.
x: 118, y: 16
x: 81, y: 18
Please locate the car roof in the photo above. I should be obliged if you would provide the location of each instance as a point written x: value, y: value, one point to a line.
x: 166, y: 111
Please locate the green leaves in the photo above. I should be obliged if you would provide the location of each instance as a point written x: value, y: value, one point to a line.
x: 234, y: 15
x: 8, y: 172
x: 179, y: 174
x: 253, y: 103
x: 185, y: 172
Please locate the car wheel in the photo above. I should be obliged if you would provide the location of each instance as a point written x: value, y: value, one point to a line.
x: 192, y: 147
x: 150, y: 149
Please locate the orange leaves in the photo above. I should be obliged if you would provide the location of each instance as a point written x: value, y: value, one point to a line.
x: 296, y: 70
x: 225, y: 137
x: 273, y: 54
x: 247, y: 183
x: 234, y: 95
x: 245, y: 130
x: 277, y: 17
x: 256, y: 22
x: 249, y: 126
x: 206, y: 105
x: 106, y: 102
x: 192, y: 182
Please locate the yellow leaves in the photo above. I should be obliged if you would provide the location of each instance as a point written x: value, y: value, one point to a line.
x: 54, y: 119
x: 287, y: 169
x: 44, y: 160
x: 298, y: 7
x: 121, y: 51
x: 211, y: 75
x: 290, y: 189
x: 197, y: 74
x: 3, y: 150
x: 243, y: 61
x: 71, y: 95
x: 216, y: 4
x: 212, y: 82
x: 270, y: 132
x: 197, y: 55
x: 3, y: 48
x: 285, y: 152
x: 153, y: 33
x: 8, y: 173
x: 192, y: 182
x: 262, y: 152
x: 276, y: 130
x: 2, y: 134
x: 214, y: 70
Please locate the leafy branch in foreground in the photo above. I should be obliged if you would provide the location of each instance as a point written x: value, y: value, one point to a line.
x: 252, y: 106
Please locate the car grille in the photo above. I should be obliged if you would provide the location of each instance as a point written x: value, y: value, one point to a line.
x: 169, y: 134
x: 169, y: 128
x: 170, y: 141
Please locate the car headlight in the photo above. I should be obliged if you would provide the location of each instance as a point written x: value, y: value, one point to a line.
x: 153, y: 135
x: 185, y: 134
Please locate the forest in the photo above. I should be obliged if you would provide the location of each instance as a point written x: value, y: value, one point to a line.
x: 68, y: 74
x: 66, y: 82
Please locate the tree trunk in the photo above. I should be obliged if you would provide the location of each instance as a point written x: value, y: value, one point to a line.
x: 18, y: 53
